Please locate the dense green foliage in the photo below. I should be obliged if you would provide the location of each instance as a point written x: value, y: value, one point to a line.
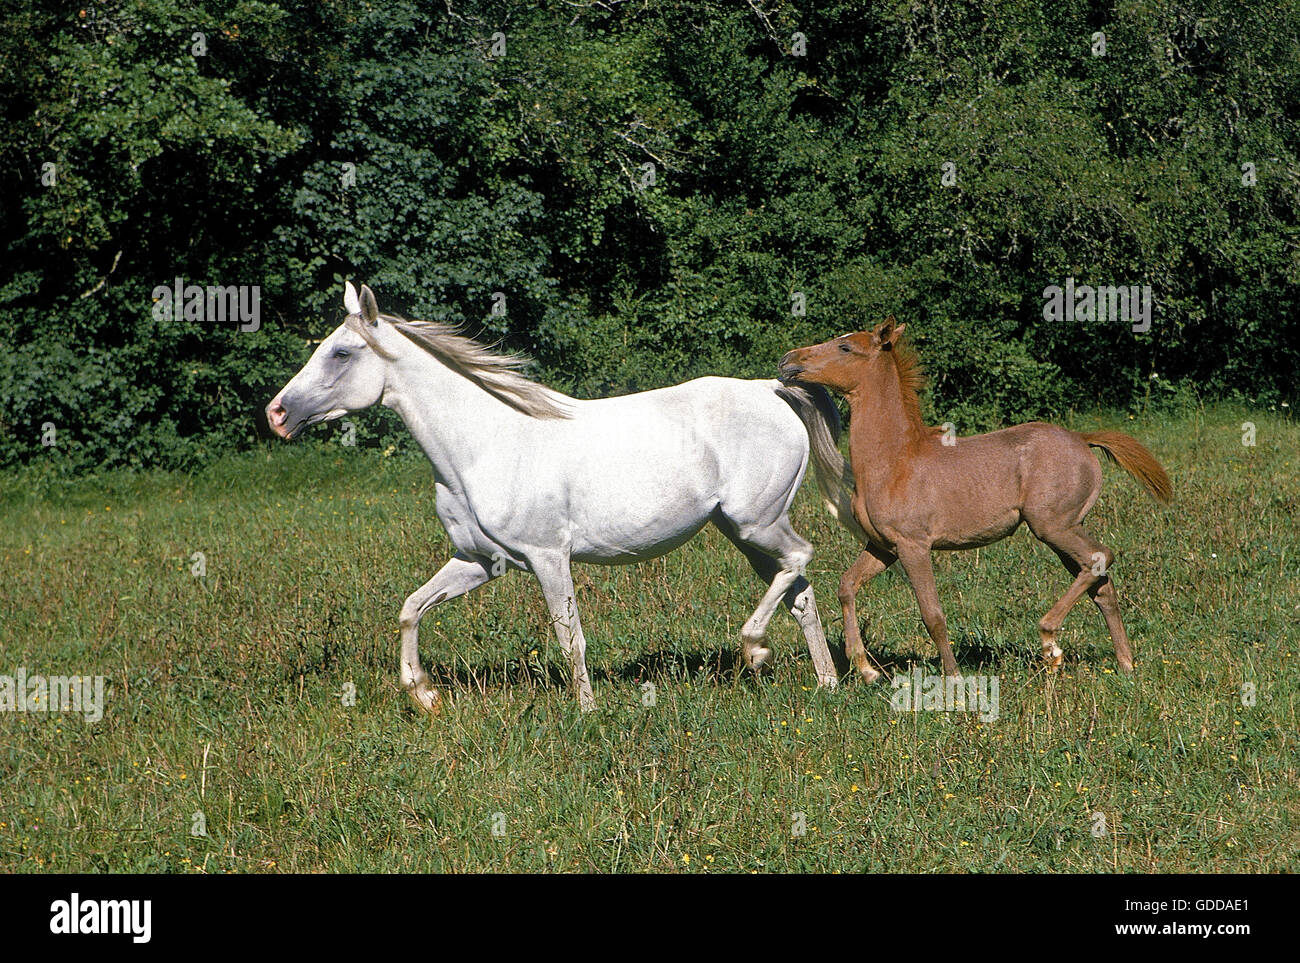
x: 290, y: 146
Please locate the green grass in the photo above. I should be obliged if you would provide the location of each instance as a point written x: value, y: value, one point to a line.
x: 226, y: 692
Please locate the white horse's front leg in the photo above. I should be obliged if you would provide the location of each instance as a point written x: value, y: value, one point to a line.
x: 556, y: 581
x: 460, y: 575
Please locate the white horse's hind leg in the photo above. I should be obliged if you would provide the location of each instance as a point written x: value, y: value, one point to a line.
x: 779, y: 556
x: 804, y: 610
x: 556, y: 581
x: 460, y: 575
x: 799, y: 599
x: 754, y: 631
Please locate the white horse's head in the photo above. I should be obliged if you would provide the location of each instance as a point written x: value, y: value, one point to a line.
x: 346, y: 373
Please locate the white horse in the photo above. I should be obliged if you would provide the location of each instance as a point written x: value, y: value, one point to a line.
x: 529, y: 478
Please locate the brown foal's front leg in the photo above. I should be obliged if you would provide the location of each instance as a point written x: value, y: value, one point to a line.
x: 916, y: 563
x: 868, y: 565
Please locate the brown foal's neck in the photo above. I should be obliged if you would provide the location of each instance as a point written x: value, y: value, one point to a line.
x: 885, y: 419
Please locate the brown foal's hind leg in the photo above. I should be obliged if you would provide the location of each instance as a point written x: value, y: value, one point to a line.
x: 867, y: 566
x: 1103, y: 593
x: 916, y: 563
x: 1087, y: 560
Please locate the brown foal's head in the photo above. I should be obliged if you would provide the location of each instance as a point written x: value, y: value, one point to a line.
x: 841, y: 363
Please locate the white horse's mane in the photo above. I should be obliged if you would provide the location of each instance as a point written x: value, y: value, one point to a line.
x: 497, y: 374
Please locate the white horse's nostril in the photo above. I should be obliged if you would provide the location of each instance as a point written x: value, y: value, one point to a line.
x: 276, y: 415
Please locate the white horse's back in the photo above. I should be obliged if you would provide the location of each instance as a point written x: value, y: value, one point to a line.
x: 644, y: 472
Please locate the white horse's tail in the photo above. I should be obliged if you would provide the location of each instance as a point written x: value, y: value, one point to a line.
x: 817, y: 411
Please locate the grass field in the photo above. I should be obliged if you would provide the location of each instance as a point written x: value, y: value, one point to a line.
x: 227, y: 707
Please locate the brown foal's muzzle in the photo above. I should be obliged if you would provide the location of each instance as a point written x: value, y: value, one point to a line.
x: 788, y: 370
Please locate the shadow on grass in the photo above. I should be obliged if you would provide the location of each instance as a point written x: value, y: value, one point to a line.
x: 976, y: 651
x: 719, y: 667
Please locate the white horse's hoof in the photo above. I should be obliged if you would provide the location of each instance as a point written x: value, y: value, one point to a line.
x: 828, y: 681
x: 760, y: 657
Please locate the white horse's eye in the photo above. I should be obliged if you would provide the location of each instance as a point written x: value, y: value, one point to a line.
x: 342, y: 353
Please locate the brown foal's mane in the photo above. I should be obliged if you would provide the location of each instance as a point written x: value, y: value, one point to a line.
x: 911, y: 377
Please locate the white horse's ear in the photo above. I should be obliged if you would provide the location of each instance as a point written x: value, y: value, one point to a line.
x: 369, y: 306
x: 351, y: 303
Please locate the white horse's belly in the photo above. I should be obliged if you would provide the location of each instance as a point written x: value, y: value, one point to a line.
x: 640, y: 489
x: 626, y: 548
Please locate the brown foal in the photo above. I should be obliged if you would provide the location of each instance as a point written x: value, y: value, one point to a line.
x: 918, y: 489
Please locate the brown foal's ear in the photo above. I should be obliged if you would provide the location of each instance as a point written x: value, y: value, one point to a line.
x: 886, y: 336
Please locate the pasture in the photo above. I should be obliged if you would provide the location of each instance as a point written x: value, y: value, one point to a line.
x: 260, y: 702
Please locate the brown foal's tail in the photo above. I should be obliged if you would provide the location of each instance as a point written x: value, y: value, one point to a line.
x: 1133, y: 457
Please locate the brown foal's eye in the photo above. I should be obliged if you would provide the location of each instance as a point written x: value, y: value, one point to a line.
x: 846, y: 347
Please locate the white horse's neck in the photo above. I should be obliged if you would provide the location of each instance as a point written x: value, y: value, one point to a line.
x: 449, y: 416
